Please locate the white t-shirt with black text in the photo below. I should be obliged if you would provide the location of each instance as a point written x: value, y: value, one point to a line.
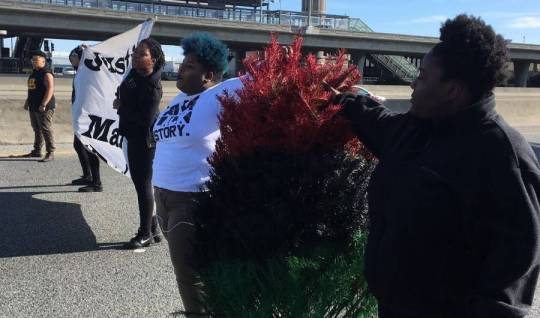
x: 186, y: 133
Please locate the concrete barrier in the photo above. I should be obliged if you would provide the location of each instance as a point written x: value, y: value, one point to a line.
x: 519, y: 106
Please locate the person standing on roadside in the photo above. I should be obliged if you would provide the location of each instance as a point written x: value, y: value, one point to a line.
x: 89, y: 161
x: 453, y: 203
x: 137, y: 101
x: 41, y: 104
x: 186, y: 133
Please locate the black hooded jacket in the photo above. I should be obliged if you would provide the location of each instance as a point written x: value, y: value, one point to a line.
x: 454, y: 212
x: 140, y: 97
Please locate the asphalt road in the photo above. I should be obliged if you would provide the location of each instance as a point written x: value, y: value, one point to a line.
x: 60, y: 253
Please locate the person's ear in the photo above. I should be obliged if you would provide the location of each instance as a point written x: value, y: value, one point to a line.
x: 209, y: 77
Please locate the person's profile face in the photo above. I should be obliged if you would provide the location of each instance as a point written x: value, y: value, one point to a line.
x: 430, y: 97
x: 191, y: 75
x: 143, y: 59
x: 38, y: 62
x: 74, y: 60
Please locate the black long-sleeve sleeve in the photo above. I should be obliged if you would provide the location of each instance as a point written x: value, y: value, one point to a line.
x: 372, y: 122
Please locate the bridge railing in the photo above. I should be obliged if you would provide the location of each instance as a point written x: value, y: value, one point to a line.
x: 239, y: 14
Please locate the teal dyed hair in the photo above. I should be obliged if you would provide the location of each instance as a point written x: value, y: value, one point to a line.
x: 211, y: 52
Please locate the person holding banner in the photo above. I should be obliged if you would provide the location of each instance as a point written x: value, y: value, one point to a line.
x: 137, y: 102
x: 185, y: 134
x: 89, y: 161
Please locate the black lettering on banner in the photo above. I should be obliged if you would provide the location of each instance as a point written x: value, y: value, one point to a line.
x: 97, y: 130
x: 120, y: 67
x: 116, y: 138
x: 127, y: 58
x: 108, y: 61
x: 94, y: 64
x: 112, y: 64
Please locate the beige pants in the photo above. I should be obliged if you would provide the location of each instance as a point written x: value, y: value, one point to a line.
x: 42, y: 125
x: 175, y: 217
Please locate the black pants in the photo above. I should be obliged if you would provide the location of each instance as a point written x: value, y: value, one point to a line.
x: 89, y: 161
x: 140, y: 158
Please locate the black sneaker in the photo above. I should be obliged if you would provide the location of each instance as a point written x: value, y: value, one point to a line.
x: 84, y: 180
x: 155, y: 230
x: 92, y: 188
x: 139, y: 241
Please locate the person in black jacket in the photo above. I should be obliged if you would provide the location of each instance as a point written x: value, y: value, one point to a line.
x: 138, y: 99
x: 454, y: 211
x: 88, y: 160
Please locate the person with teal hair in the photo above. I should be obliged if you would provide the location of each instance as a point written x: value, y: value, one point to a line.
x: 186, y: 133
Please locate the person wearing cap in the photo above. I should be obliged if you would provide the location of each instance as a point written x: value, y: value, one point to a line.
x: 90, y: 179
x: 41, y: 104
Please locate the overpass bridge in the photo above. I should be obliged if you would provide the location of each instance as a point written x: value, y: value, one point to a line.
x: 26, y: 18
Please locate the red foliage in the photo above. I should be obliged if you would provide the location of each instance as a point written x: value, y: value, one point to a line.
x: 284, y: 106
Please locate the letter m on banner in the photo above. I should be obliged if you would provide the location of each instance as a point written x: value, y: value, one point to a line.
x: 101, y: 70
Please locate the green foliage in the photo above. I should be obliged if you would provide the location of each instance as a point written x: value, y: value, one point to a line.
x: 323, y: 281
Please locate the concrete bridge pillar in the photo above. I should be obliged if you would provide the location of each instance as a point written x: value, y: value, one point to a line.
x: 236, y: 58
x: 521, y: 72
x: 3, y: 33
x: 360, y: 60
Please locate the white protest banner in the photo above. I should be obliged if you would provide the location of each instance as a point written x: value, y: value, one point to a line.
x: 101, y: 70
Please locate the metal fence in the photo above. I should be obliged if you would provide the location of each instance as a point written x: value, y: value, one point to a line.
x: 240, y: 14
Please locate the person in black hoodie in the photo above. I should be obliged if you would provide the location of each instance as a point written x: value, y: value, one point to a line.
x: 137, y: 101
x: 88, y: 160
x: 453, y: 202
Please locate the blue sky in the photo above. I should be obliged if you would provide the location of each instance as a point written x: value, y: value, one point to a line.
x: 518, y: 20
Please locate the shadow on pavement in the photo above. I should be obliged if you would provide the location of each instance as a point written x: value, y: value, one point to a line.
x: 31, y: 226
x: 19, y: 159
x: 37, y: 186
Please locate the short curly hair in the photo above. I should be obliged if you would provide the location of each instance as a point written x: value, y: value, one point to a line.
x: 210, y: 52
x: 156, y: 52
x: 473, y: 53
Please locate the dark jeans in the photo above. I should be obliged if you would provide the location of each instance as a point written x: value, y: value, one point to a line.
x: 89, y: 161
x: 175, y: 216
x: 140, y: 158
x: 42, y: 125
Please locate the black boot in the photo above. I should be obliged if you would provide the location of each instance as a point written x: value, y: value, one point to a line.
x: 84, y: 180
x: 92, y: 188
